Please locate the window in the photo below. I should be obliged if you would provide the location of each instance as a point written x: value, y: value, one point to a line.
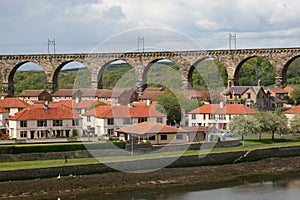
x: 193, y: 116
x: 127, y: 121
x: 179, y: 137
x: 163, y: 137
x: 249, y: 95
x: 110, y: 121
x: 57, y: 122
x: 159, y: 120
x: 88, y: 118
x: 204, y: 116
x: 110, y: 131
x: 142, y: 119
x: 23, y: 134
x: 23, y: 123
x: 75, y: 122
x: 41, y: 123
x: 193, y: 124
x: 152, y: 137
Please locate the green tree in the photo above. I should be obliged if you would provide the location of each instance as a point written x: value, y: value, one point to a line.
x: 295, y: 124
x: 273, y: 122
x: 296, y: 95
x: 243, y: 125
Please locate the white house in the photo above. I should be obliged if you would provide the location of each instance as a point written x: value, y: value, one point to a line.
x: 43, y: 122
x: 106, y: 119
x: 13, y: 105
x: 217, y: 115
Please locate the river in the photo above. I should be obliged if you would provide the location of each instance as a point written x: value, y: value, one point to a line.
x: 277, y: 190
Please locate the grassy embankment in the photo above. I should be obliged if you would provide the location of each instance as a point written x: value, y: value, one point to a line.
x: 251, y: 143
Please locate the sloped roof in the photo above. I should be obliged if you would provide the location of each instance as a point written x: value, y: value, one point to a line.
x: 276, y: 100
x: 294, y: 110
x: 13, y: 103
x: 66, y: 92
x: 240, y: 90
x: 234, y: 109
x: 82, y: 104
x: 277, y: 90
x: 124, y: 112
x: 35, y: 113
x: 149, y: 128
x: 32, y: 93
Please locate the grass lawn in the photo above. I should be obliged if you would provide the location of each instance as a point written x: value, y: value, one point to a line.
x: 251, y: 143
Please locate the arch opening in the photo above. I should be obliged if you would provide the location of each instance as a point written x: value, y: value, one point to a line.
x: 207, y: 73
x: 255, y: 71
x: 26, y: 76
x: 71, y: 74
x: 116, y: 74
x: 162, y: 72
x: 291, y: 72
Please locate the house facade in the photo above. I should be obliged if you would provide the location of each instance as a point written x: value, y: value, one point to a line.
x: 218, y: 116
x: 106, y: 119
x: 36, y: 122
x: 35, y: 95
x: 252, y: 96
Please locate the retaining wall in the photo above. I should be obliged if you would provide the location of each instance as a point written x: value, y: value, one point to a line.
x: 184, y: 161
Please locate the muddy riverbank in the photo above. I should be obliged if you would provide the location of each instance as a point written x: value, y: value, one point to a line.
x: 108, y: 184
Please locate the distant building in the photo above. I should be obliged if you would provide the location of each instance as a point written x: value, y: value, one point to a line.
x: 290, y: 113
x: 66, y: 94
x: 156, y: 133
x: 37, y: 122
x: 217, y: 115
x: 13, y: 105
x: 106, y: 119
x: 35, y: 95
x: 151, y: 94
x: 250, y: 96
x: 279, y: 93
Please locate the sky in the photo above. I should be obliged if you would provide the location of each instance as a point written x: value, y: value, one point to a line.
x: 83, y: 26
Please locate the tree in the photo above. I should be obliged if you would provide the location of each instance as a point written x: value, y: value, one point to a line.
x: 171, y: 104
x: 295, y: 124
x: 273, y: 122
x: 296, y: 95
x: 244, y: 125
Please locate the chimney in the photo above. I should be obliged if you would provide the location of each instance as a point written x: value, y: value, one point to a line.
x: 148, y: 102
x: 258, y: 83
x: 222, y: 104
x: 46, y: 107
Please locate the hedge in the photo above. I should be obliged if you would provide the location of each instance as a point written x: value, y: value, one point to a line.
x: 62, y: 147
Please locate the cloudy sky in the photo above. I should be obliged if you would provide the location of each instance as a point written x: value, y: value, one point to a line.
x: 115, y: 25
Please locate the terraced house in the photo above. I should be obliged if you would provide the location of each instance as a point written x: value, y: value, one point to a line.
x: 36, y: 122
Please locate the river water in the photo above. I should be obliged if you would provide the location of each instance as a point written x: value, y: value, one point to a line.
x: 272, y: 190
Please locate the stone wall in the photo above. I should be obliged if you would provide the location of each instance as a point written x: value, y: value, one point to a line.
x: 184, y: 161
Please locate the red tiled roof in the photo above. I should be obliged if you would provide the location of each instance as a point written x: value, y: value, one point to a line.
x: 82, y: 104
x: 206, y: 109
x: 3, y: 110
x: 124, y: 112
x: 13, y: 103
x: 36, y: 113
x: 149, y: 128
x: 294, y: 110
x: 234, y: 109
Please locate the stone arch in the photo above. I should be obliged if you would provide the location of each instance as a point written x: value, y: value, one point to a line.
x: 285, y: 69
x: 54, y: 77
x: 102, y: 69
x: 9, y: 77
x: 246, y: 60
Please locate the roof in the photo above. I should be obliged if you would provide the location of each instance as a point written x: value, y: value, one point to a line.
x: 37, y: 113
x: 196, y: 93
x: 32, y: 93
x: 290, y: 88
x: 66, y: 92
x: 3, y: 110
x: 240, y: 90
x: 277, y: 90
x: 152, y: 93
x: 294, y: 110
x: 149, y: 128
x: 13, y: 103
x: 81, y: 105
x: 276, y: 100
x: 233, y: 109
x: 124, y: 112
